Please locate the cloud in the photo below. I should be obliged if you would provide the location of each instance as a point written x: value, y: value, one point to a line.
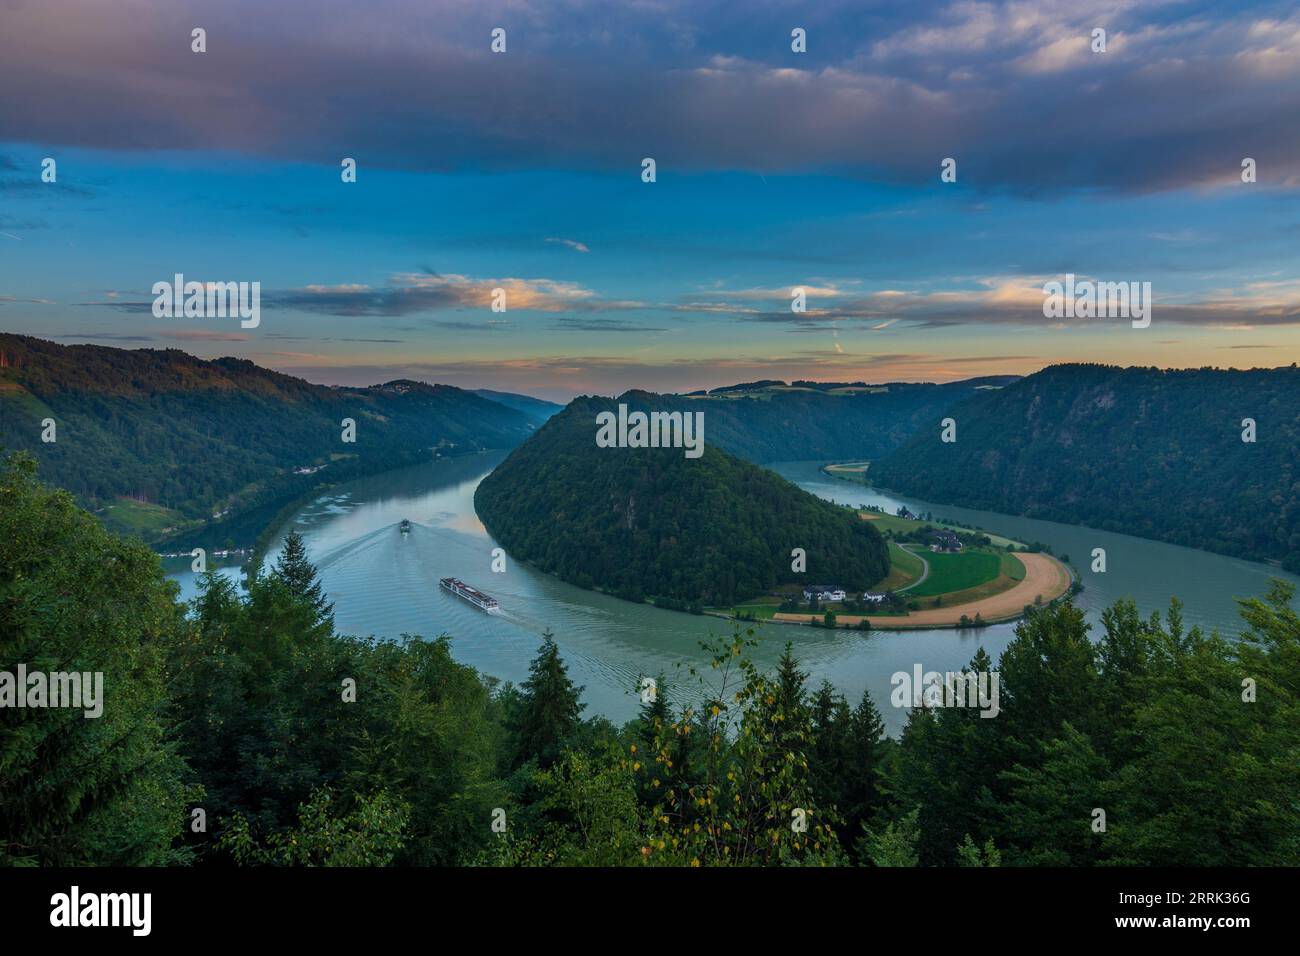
x: 1016, y: 300
x: 409, y: 293
x: 575, y: 246
x: 105, y: 337
x: 883, y: 93
x: 561, y: 377
x: 568, y: 324
x: 198, y: 335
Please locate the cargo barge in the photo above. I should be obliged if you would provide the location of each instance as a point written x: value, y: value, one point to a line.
x: 472, y: 595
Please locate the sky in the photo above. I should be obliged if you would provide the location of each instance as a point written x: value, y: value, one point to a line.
x: 774, y: 170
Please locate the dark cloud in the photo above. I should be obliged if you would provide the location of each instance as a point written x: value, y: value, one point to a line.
x: 105, y: 337
x: 561, y: 377
x: 602, y: 325
x: 1010, y: 89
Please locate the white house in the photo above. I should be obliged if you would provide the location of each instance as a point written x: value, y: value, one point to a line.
x: 823, y: 592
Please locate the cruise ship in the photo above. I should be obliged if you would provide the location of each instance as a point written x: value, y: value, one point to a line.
x: 472, y: 595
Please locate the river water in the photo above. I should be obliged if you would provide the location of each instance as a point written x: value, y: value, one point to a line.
x: 384, y: 583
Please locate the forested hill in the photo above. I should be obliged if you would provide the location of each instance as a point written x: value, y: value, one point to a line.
x: 538, y: 409
x: 772, y: 421
x: 1136, y: 450
x: 650, y: 522
x: 154, y: 438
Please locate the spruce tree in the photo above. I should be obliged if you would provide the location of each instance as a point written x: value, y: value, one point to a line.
x: 549, y: 707
x: 865, y: 750
x: 299, y: 576
x: 104, y: 791
x: 830, y: 757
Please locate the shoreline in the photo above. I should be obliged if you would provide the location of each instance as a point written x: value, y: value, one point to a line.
x: 860, y: 480
x: 1045, y: 577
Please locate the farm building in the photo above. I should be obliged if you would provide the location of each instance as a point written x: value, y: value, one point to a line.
x: 945, y: 541
x: 823, y: 592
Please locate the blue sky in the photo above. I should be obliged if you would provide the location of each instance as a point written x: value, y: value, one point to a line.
x: 775, y: 170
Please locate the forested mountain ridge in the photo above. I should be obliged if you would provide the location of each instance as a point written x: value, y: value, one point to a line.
x: 770, y: 421
x: 538, y: 409
x: 164, y: 428
x: 650, y: 522
x: 1143, y: 451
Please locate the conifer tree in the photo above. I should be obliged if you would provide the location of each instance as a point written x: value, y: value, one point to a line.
x: 95, y: 781
x: 299, y: 576
x: 549, y: 706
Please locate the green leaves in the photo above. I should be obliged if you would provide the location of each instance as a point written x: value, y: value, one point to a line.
x: 75, y: 791
x: 650, y: 523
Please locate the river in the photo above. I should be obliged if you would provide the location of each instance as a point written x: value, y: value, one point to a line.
x: 384, y: 583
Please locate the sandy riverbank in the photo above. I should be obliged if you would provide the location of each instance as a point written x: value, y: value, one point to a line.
x: 1044, y: 576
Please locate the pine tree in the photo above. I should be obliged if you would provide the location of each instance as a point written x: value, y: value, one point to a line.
x: 969, y: 854
x: 791, y: 718
x: 105, y: 791
x: 830, y: 757
x: 549, y: 707
x: 865, y: 749
x: 299, y: 576
x: 895, y: 845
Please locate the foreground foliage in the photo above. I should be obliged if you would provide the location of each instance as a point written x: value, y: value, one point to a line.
x: 302, y: 747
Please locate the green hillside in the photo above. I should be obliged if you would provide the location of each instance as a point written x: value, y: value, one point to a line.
x: 537, y: 409
x: 771, y: 421
x: 175, y: 433
x: 1135, y: 450
x: 652, y: 523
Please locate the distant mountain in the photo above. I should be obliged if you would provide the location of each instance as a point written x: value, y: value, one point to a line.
x: 1136, y: 450
x: 157, y: 439
x: 538, y: 410
x: 771, y: 421
x: 650, y: 522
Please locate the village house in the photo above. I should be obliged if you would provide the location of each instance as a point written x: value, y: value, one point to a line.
x: 945, y: 541
x: 823, y: 592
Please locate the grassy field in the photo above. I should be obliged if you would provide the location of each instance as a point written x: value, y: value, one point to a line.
x: 761, y: 608
x: 904, y: 568
x: 1002, y: 598
x: 762, y: 612
x: 883, y: 522
x: 1012, y: 567
x: 969, y: 576
x: 1010, y: 573
x: 137, y: 517
x: 958, y: 572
